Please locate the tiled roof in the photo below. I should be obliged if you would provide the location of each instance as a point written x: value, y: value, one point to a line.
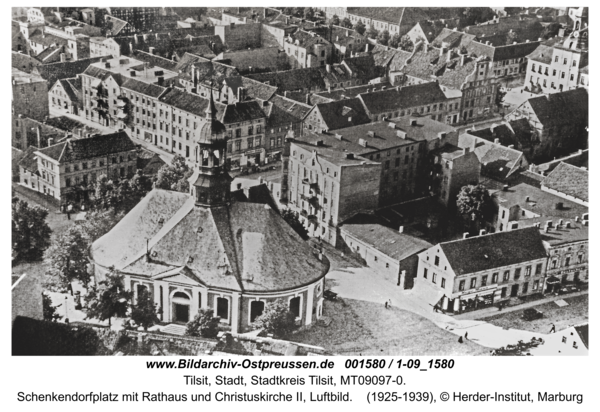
x: 24, y: 62
x: 430, y: 30
x: 363, y: 67
x: 81, y: 149
x: 154, y: 60
x: 306, y: 78
x: 306, y: 39
x: 558, y: 236
x: 392, y: 243
x: 242, y: 112
x: 376, y: 136
x: 147, y: 89
x: 286, y: 111
x: 404, y: 97
x: 213, y: 72
x: 343, y: 113
x: 187, y: 60
x: 570, y: 180
x: 350, y: 92
x: 257, y: 89
x: 333, y: 149
x: 259, y: 58
x: 542, y: 54
x: 529, y: 28
x: 189, y: 102
x: 515, y: 51
x: 497, y: 161
x: 234, y: 239
x: 540, y: 202
x: 64, y: 70
x: 563, y: 108
x: 47, y: 40
x: 29, y: 160
x: 495, y: 250
x: 114, y: 25
x: 72, y: 88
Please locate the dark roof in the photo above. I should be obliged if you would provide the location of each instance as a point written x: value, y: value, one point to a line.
x: 187, y: 60
x: 564, y: 108
x: 271, y: 57
x: 189, y: 102
x: 570, y: 180
x: 255, y: 194
x: 584, y: 333
x: 392, y: 243
x: 24, y: 62
x: 404, y: 97
x: 47, y: 39
x: 81, y: 149
x: 213, y: 73
x: 307, y: 39
x: 150, y: 165
x: 542, y: 54
x: 242, y: 112
x: 284, y: 111
x: 495, y: 250
x: 64, y: 70
x: 257, y: 89
x: 243, y: 247
x: 363, y: 67
x: 29, y: 160
x: 147, y: 89
x: 333, y: 149
x: 306, y: 78
x: 343, y: 113
x: 514, y: 51
x: 350, y: 92
x: 114, y: 25
x: 555, y: 235
x: 525, y: 27
x: 376, y: 136
x: 154, y: 60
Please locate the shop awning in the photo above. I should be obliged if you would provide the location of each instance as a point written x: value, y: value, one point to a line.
x: 552, y: 280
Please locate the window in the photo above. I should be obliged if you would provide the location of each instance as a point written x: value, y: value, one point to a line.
x: 256, y: 309
x: 495, y: 277
x: 443, y: 283
x: 295, y: 305
x: 473, y: 283
x: 436, y: 261
x: 525, y: 287
x: 250, y: 142
x: 222, y: 308
x: 538, y: 269
x: 518, y: 273
x: 67, y: 182
x: 484, y: 280
x: 528, y: 271
x: 567, y: 260
x: 461, y: 285
x: 565, y: 60
x: 425, y: 273
x: 506, y: 275
x: 434, y: 278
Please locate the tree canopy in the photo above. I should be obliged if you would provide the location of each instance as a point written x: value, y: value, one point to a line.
x: 335, y: 20
x: 383, y: 37
x: 372, y: 32
x: 293, y: 219
x: 30, y: 232
x: 174, y: 176
x: 346, y: 23
x: 359, y: 26
x: 276, y: 318
x: 67, y: 260
x: 406, y: 43
x: 394, y: 41
x: 108, y: 299
x: 204, y: 324
x: 475, y: 204
x: 144, y: 312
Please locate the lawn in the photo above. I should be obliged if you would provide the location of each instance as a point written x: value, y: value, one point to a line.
x: 365, y: 328
x: 576, y: 313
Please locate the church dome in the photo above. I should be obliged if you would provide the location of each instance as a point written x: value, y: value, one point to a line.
x: 211, y: 131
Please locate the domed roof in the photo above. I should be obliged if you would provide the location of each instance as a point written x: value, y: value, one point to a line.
x: 210, y: 131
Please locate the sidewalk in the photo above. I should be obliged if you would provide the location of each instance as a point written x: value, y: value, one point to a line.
x: 492, y: 311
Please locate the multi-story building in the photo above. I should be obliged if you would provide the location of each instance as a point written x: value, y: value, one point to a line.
x: 426, y: 99
x: 307, y: 49
x: 561, y: 67
x: 335, y: 115
x: 67, y: 170
x: 29, y: 95
x: 559, y: 120
x: 472, y: 273
x: 327, y: 185
x: 65, y: 95
x: 523, y: 201
x: 452, y: 167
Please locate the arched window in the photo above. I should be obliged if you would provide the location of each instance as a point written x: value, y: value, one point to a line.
x: 295, y: 306
x: 222, y: 308
x: 256, y: 309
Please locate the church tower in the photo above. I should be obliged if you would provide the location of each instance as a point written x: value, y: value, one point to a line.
x: 210, y: 184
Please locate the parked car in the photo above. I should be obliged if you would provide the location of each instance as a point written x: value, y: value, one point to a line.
x: 532, y: 314
x: 569, y: 289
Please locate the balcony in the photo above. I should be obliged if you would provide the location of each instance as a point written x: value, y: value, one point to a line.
x: 304, y: 213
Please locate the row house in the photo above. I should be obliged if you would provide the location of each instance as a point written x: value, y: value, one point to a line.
x: 67, y: 171
x: 65, y: 95
x: 477, y: 272
x: 327, y: 185
x: 426, y: 99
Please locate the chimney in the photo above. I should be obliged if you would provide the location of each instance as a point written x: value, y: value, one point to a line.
x: 496, y: 141
x: 465, y: 235
x: 285, y: 93
x: 462, y: 59
x: 505, y: 188
x: 161, y: 80
x: 425, y: 48
x: 443, y: 50
x: 38, y: 132
x: 511, y: 146
x: 401, y: 229
x: 151, y: 50
x: 559, y: 206
x: 449, y: 55
x: 401, y: 134
x: 413, y: 122
x: 482, y: 232
x: 466, y: 150
x: 362, y: 142
x: 339, y: 136
x: 548, y: 223
x: 63, y: 57
x: 241, y: 94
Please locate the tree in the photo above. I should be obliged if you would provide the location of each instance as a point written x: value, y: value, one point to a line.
x: 406, y: 43
x: 144, y: 312
x: 104, y: 192
x: 551, y: 30
x: 510, y: 11
x: 511, y: 37
x: 67, y: 260
x: 50, y: 312
x: 346, y: 23
x: 293, y: 219
x: 499, y: 97
x: 108, y: 299
x: 174, y: 176
x: 204, y: 324
x: 309, y: 13
x: 276, y: 318
x: 475, y: 204
x: 335, y: 20
x: 383, y: 38
x: 30, y: 232
x: 359, y: 26
x: 394, y: 41
x: 372, y: 32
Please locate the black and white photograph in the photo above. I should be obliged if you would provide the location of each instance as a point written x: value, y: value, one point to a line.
x: 299, y: 181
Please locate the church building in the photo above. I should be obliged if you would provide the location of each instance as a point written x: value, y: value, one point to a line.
x: 202, y: 250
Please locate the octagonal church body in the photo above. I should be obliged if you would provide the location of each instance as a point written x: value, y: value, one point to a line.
x: 203, y: 251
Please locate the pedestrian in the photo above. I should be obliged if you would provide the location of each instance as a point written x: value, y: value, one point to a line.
x: 553, y: 329
x: 460, y: 339
x: 466, y: 335
x: 386, y: 304
x: 390, y: 303
x: 69, y: 209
